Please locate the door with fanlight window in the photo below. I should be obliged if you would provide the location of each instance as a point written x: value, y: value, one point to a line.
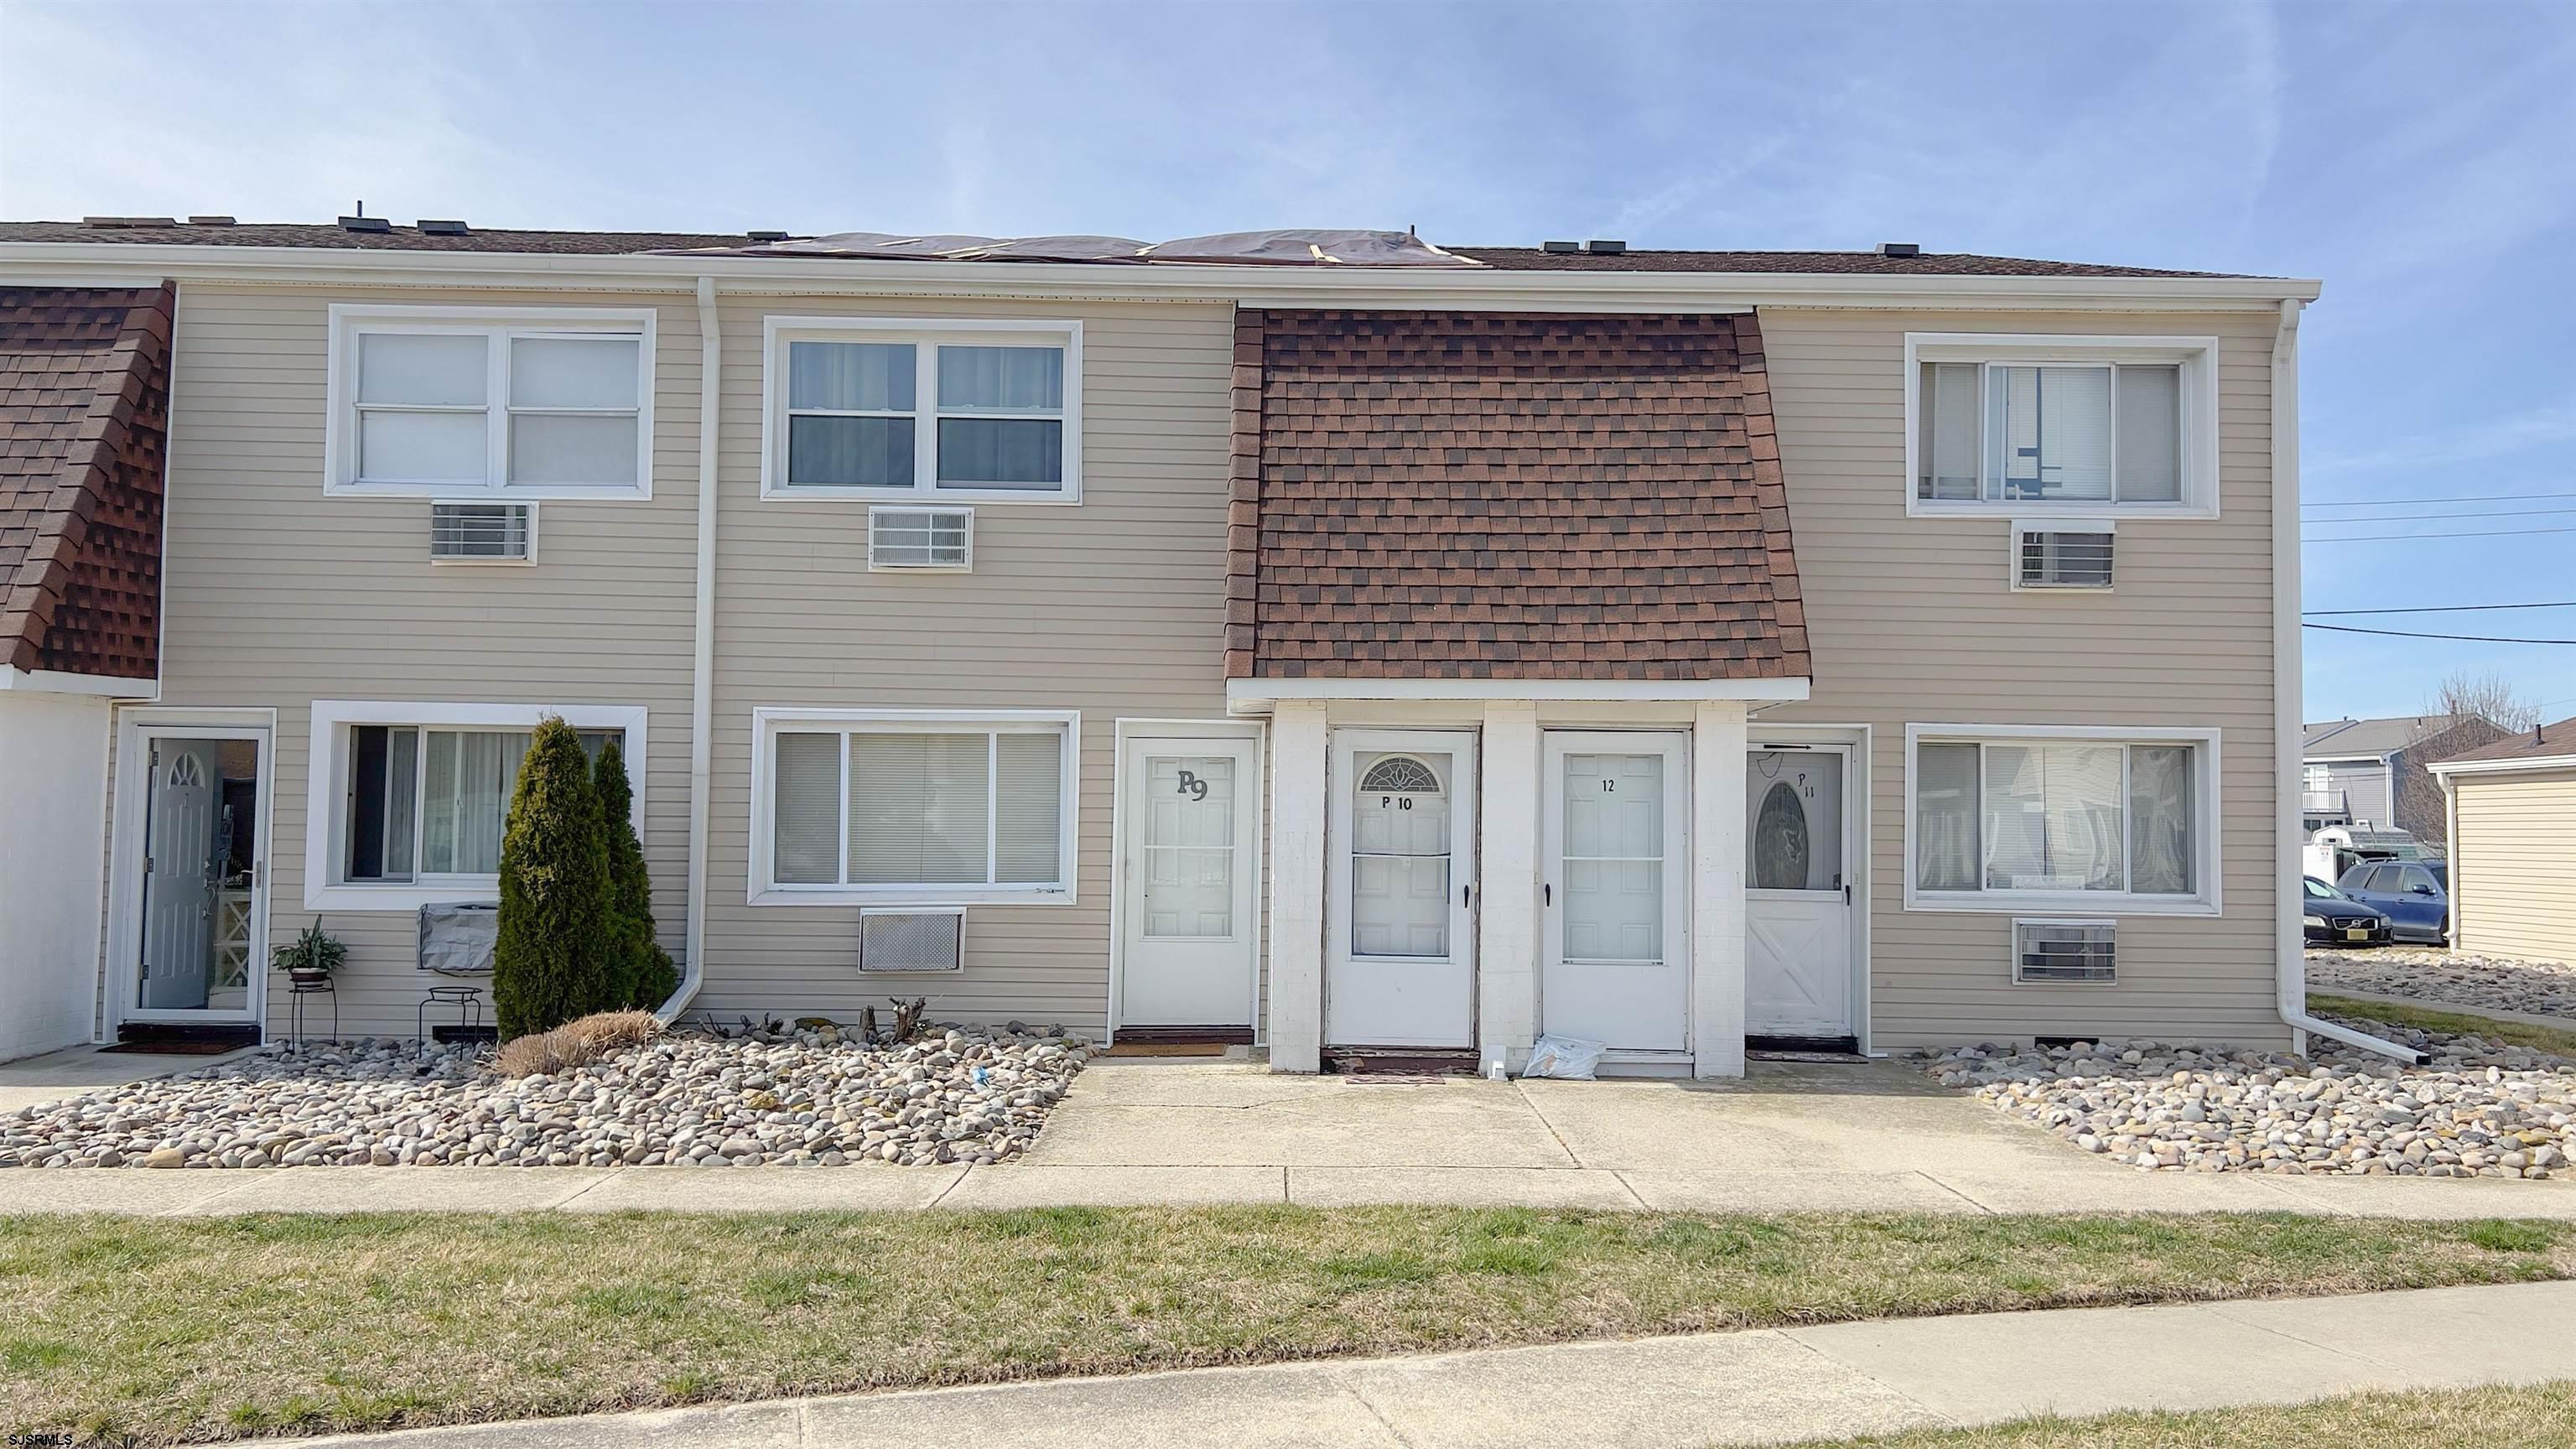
x: 1190, y: 838
x: 1399, y: 964
x: 1614, y: 890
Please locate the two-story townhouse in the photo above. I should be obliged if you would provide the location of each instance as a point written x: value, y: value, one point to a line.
x: 1321, y: 639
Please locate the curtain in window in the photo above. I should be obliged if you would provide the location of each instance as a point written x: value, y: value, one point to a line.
x: 851, y: 377
x: 1001, y: 379
x: 1945, y: 818
x: 1001, y: 452
x: 2052, y: 817
x: 2150, y: 434
x: 2048, y: 432
x: 1947, y: 450
x: 468, y: 778
x: 1027, y: 809
x: 805, y: 839
x: 919, y: 808
x: 2160, y: 806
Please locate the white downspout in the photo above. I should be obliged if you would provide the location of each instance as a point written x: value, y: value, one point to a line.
x: 702, y: 656
x: 2451, y: 853
x: 2290, y: 949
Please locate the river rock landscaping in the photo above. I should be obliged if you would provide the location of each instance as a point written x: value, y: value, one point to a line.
x: 2543, y: 988
x: 811, y: 1096
x: 2473, y: 1108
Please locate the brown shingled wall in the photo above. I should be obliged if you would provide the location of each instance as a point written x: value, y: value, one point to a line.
x: 84, y: 404
x: 1501, y: 496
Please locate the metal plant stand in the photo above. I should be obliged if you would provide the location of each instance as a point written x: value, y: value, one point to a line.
x: 468, y: 1001
x: 296, y: 991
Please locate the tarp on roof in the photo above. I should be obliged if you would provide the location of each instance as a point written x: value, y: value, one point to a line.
x: 1262, y: 248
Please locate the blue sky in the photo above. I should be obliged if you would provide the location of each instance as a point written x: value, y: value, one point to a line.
x: 2421, y: 159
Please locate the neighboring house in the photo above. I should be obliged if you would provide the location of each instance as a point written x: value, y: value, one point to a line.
x: 2371, y: 773
x: 2513, y: 845
x: 1319, y: 638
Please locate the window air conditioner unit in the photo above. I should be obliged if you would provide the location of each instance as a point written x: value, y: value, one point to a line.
x: 921, y: 538
x: 912, y: 938
x: 483, y: 533
x: 2083, y: 953
x: 2062, y: 558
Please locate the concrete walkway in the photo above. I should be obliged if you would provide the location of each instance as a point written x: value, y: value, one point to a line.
x: 34, y: 1081
x: 1875, y: 1138
x: 1753, y: 1387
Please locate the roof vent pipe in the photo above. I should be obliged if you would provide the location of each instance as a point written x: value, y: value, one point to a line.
x: 1900, y: 249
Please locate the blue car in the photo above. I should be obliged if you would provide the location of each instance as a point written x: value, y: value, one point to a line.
x: 2416, y: 894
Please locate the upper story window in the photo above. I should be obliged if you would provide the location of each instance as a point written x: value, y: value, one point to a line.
x: 1999, y: 425
x: 2003, y: 817
x: 874, y: 407
x: 533, y: 402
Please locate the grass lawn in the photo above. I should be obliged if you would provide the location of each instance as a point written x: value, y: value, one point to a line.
x: 2430, y: 1017
x: 165, y: 1330
x: 2500, y: 1418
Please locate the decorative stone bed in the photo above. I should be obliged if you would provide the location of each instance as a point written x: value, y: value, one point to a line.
x: 2475, y: 1108
x: 2542, y: 988
x: 806, y: 1097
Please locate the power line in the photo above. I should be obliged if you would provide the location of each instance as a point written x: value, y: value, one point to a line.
x: 2455, y: 498
x: 2413, y: 634
x: 2438, y: 609
x: 2490, y: 533
x: 2448, y: 517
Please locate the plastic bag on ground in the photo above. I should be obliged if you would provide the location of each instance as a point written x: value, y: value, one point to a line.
x: 1564, y: 1057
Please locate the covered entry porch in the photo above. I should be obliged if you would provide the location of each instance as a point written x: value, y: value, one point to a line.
x: 1466, y: 874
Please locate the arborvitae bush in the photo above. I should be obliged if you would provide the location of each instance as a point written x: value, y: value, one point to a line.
x: 644, y: 975
x: 559, y: 949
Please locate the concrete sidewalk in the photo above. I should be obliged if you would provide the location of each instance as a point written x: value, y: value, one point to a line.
x: 1752, y: 1387
x: 1876, y: 1138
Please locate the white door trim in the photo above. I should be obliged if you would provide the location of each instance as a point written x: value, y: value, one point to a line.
x: 1679, y: 842
x: 125, y: 856
x: 1858, y: 840
x: 1851, y: 903
x: 1124, y: 731
x: 1465, y: 831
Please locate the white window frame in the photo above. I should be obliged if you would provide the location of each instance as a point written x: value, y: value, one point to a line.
x: 327, y: 788
x: 926, y: 334
x: 2197, y: 399
x: 351, y: 320
x: 2207, y: 900
x: 768, y: 723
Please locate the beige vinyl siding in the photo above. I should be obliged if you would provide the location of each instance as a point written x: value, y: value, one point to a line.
x: 2513, y: 869
x: 276, y: 595
x: 1114, y: 606
x: 1913, y: 620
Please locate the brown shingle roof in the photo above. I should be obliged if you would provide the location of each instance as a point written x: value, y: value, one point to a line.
x: 330, y: 236
x: 84, y: 397
x: 2548, y: 742
x: 1505, y: 496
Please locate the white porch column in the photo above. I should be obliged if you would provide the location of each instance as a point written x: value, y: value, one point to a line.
x: 1507, y: 899
x: 1717, y: 888
x: 1297, y: 759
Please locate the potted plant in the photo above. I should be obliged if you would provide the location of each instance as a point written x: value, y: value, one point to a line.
x: 311, y: 957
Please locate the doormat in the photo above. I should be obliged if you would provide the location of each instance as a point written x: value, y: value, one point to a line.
x: 175, y: 1048
x: 1754, y: 1054
x: 1166, y: 1049
x: 1421, y: 1063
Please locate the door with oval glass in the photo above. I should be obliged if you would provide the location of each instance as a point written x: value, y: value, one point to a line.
x: 1614, y: 890
x: 1400, y: 966
x: 1192, y: 829
x: 1798, y: 892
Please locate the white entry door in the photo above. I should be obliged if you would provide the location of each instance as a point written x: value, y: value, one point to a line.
x: 1399, y: 964
x: 200, y: 910
x: 1614, y: 894
x: 1798, y: 896
x: 1192, y: 839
